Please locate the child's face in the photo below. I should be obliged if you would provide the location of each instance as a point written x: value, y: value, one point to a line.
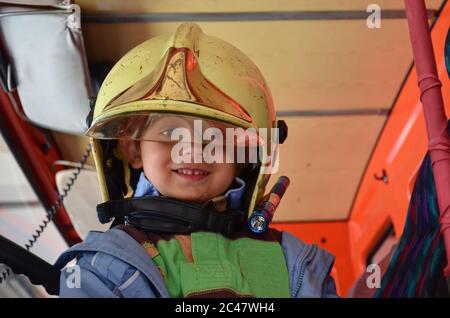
x: 193, y: 182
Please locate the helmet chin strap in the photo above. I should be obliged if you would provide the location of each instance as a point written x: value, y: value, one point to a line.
x: 162, y: 214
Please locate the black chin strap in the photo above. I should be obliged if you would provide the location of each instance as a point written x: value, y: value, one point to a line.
x: 161, y: 214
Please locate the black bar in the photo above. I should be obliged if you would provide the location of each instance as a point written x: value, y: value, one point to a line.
x: 334, y: 112
x: 239, y: 16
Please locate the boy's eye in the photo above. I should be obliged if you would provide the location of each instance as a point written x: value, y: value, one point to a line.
x: 167, y: 133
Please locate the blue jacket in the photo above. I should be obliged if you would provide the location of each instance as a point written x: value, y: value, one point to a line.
x: 113, y: 264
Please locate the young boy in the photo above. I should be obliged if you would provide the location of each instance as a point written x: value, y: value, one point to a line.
x: 180, y: 207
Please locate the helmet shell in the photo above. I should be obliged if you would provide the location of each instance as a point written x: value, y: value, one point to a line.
x: 186, y: 73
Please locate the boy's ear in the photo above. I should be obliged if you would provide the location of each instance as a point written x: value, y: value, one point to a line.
x: 132, y: 151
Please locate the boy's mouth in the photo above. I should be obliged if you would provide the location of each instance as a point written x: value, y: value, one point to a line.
x: 191, y: 174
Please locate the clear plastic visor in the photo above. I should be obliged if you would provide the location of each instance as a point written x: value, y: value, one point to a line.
x: 167, y: 127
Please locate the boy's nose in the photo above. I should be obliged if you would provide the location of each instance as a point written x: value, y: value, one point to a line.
x: 194, y: 151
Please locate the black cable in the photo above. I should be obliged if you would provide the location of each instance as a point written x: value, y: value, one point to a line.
x: 61, y: 196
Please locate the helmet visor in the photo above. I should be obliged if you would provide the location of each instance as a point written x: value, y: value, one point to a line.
x: 168, y: 127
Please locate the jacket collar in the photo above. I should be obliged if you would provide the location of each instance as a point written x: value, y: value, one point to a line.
x: 231, y: 199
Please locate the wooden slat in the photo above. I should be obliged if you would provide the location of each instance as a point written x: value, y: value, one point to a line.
x: 238, y: 5
x: 308, y: 65
x: 324, y: 159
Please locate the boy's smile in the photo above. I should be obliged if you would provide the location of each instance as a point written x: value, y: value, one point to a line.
x: 191, y: 174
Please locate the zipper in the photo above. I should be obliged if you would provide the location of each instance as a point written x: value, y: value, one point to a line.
x: 301, y: 272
